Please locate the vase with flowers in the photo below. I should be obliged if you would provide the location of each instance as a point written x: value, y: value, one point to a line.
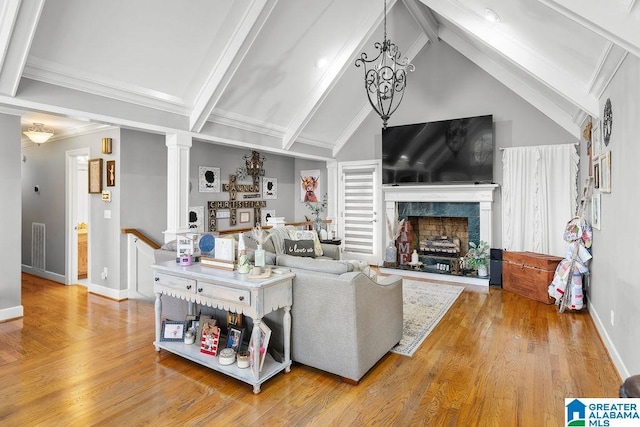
x: 260, y: 236
x: 394, y: 228
x: 317, y: 209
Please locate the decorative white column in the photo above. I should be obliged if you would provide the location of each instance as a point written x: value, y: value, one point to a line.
x: 178, y: 147
x: 332, y: 189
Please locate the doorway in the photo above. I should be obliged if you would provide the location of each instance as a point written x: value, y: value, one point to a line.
x: 77, y: 216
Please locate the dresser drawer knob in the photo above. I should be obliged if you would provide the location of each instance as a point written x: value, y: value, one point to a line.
x: 188, y: 286
x: 199, y: 289
x: 241, y: 298
x: 157, y: 279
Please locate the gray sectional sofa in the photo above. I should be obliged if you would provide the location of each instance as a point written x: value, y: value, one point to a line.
x: 343, y: 321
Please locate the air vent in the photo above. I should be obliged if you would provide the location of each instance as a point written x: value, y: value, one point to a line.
x: 37, y: 245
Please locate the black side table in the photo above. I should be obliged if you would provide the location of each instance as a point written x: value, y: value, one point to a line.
x: 332, y: 241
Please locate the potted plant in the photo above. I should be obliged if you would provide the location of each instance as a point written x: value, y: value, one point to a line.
x: 478, y: 257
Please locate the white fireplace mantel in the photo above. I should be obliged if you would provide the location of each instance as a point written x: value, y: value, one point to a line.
x: 462, y: 193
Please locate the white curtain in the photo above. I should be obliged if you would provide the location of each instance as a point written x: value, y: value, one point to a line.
x: 539, y: 194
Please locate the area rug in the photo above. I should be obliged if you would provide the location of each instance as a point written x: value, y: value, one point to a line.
x: 424, y: 304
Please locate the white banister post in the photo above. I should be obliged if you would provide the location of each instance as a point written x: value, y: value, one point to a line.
x: 178, y: 147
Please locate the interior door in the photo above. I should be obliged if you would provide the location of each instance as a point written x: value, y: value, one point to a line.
x: 359, y: 209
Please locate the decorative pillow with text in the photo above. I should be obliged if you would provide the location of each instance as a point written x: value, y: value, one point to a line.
x: 299, y: 248
x: 308, y: 235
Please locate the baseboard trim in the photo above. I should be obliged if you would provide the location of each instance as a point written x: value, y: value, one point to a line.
x: 44, y: 274
x: 438, y: 277
x: 11, y: 313
x: 608, y: 343
x: 115, y: 294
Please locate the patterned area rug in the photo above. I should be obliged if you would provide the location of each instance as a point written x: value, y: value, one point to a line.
x: 424, y: 305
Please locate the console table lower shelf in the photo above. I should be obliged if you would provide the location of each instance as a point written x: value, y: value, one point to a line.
x: 192, y: 352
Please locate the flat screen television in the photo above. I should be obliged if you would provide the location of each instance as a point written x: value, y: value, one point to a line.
x: 453, y: 151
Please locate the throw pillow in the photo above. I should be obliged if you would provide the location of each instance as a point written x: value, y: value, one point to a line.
x: 308, y: 235
x: 299, y: 248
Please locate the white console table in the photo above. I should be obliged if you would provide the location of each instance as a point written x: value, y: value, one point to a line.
x: 231, y: 291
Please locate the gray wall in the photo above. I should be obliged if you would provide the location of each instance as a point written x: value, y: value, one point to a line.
x: 10, y: 244
x: 615, y: 286
x: 45, y: 166
x: 446, y: 85
x: 285, y: 169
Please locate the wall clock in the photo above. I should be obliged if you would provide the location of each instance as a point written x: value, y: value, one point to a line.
x: 607, y: 122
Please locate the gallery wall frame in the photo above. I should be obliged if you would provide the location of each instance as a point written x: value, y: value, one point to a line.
x: 95, y: 176
x: 596, y: 210
x: 605, y: 172
x: 111, y: 173
x: 208, y: 179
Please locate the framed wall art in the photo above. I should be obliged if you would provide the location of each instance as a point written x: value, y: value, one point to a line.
x: 196, y: 219
x: 605, y: 172
x: 111, y: 173
x: 310, y: 185
x: 595, y: 211
x: 266, y: 214
x: 95, y: 176
x: 596, y: 139
x: 245, y: 217
x: 208, y: 179
x: 269, y: 188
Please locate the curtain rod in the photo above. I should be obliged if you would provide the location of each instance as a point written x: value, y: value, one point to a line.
x: 502, y: 148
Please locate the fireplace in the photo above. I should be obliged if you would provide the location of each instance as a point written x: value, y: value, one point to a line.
x: 442, y: 218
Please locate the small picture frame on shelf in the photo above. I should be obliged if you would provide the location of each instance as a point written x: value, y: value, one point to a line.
x: 234, y: 319
x: 172, y: 330
x: 234, y: 338
x: 191, y: 322
x: 265, y: 336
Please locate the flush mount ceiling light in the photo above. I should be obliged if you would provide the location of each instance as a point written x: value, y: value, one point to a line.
x: 491, y: 16
x: 38, y: 133
x: 385, y: 76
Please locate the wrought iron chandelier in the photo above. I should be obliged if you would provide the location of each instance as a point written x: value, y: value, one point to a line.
x: 385, y: 76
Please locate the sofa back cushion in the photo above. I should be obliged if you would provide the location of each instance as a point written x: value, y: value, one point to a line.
x: 301, y: 248
x: 320, y: 265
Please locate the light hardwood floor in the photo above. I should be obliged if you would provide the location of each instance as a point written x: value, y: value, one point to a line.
x: 495, y: 359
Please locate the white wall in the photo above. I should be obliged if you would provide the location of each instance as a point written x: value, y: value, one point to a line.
x: 10, y: 244
x: 615, y: 286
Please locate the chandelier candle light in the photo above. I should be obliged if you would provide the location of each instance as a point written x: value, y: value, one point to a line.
x: 385, y: 76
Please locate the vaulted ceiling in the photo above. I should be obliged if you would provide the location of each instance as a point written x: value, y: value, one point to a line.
x: 248, y: 73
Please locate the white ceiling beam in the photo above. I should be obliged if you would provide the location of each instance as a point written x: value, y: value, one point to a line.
x: 18, y: 24
x: 529, y: 61
x: 424, y: 18
x: 331, y: 77
x: 615, y: 21
x: 226, y: 67
x: 513, y: 81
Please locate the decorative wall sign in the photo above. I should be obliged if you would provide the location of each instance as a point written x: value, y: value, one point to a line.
x: 111, y: 173
x: 233, y: 188
x: 196, y: 219
x: 310, y: 182
x: 269, y: 188
x: 208, y: 179
x: 95, y: 176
